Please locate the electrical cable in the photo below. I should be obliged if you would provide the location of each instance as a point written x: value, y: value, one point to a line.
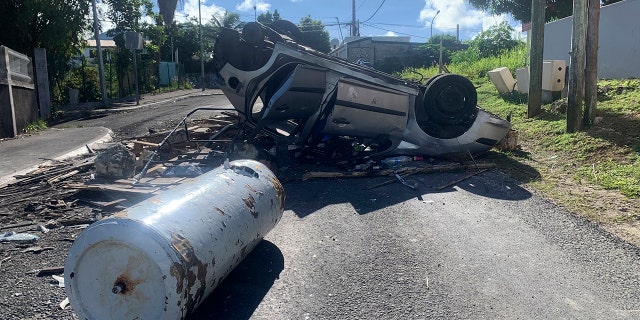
x: 380, y: 6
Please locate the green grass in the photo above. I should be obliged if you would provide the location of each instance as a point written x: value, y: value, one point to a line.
x: 608, y: 146
x: 35, y: 126
x: 594, y: 172
x: 613, y: 175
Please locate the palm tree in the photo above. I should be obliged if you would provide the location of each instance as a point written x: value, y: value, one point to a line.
x: 228, y: 20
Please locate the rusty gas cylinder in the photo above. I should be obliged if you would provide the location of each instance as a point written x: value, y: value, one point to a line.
x: 159, y: 259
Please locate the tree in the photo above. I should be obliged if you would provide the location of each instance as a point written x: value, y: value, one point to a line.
x: 493, y: 41
x: 265, y: 18
x: 228, y: 20
x: 56, y: 25
x: 521, y: 9
x: 314, y: 35
x: 126, y: 15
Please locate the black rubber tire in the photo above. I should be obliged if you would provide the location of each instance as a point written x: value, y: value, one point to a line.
x: 450, y: 99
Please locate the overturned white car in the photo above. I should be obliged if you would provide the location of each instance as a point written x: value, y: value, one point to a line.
x: 309, y: 100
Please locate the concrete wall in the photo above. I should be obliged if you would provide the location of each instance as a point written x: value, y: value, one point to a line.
x: 375, y: 50
x: 619, y: 41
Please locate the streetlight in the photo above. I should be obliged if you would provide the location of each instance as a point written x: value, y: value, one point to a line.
x: 201, y: 45
x: 434, y: 17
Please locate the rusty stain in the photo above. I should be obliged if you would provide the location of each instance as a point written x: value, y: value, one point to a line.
x: 251, y: 188
x: 219, y: 211
x: 185, y: 271
x: 278, y: 186
x: 250, y: 202
x: 121, y: 214
x: 125, y: 285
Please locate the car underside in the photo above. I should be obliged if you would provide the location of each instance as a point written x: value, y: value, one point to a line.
x: 313, y: 102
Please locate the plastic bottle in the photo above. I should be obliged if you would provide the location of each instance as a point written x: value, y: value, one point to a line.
x: 396, y: 161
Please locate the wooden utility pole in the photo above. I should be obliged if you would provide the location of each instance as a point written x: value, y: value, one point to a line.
x: 535, y: 63
x: 591, y: 70
x: 576, y: 71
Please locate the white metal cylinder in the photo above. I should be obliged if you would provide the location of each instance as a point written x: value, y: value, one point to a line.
x: 160, y: 258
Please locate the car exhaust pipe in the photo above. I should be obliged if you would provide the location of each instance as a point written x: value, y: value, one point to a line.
x: 159, y: 259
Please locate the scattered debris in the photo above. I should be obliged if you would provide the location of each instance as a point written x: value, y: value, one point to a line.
x: 405, y: 182
x: 404, y: 170
x: 184, y: 170
x: 115, y: 162
x: 5, y: 259
x: 18, y: 237
x: 43, y: 229
x: 59, y: 280
x: 36, y: 249
x: 510, y: 142
x: 50, y: 270
x: 64, y: 303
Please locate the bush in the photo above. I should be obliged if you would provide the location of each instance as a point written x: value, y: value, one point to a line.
x: 86, y: 80
x: 493, y: 41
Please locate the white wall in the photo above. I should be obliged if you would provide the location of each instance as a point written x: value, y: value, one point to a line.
x: 619, y: 43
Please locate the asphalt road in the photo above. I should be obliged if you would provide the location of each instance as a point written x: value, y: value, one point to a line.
x: 484, y: 249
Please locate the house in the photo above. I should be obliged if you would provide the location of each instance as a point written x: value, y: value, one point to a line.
x: 374, y: 50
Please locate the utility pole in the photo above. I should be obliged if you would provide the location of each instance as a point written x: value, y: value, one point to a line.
x: 576, y: 71
x: 535, y: 63
x: 353, y: 18
x: 96, y: 33
x: 591, y: 71
x: 201, y: 45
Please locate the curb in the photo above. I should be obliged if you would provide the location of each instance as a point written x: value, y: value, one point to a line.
x: 108, y: 137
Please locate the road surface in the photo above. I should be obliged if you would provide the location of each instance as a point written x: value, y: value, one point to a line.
x: 485, y: 248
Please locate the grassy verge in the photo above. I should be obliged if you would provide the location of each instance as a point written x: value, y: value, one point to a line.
x: 35, y: 126
x: 594, y: 173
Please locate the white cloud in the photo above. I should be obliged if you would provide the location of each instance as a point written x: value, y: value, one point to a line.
x: 247, y: 5
x: 190, y: 10
x: 459, y: 12
x: 390, y: 34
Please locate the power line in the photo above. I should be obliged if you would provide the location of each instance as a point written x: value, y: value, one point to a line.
x: 397, y: 32
x: 380, y: 6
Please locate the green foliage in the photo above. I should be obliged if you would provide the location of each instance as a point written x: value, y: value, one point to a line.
x: 86, y: 80
x: 55, y: 25
x: 493, y: 41
x: 228, y: 20
x: 424, y: 56
x: 521, y: 9
x: 35, y: 126
x: 314, y: 34
x: 448, y: 40
x: 473, y: 66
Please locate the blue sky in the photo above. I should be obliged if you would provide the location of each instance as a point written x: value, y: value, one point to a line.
x: 393, y: 17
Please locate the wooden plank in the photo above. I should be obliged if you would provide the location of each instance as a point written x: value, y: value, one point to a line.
x: 17, y: 225
x: 144, y: 143
x: 49, y: 271
x: 401, y: 171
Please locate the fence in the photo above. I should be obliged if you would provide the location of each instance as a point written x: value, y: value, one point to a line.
x: 18, y: 104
